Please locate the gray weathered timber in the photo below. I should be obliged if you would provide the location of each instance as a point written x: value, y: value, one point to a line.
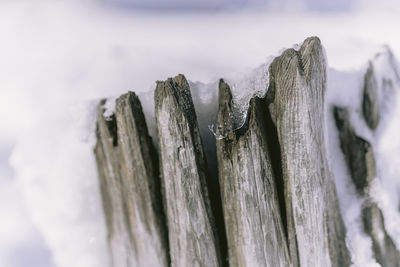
x: 141, y: 184
x: 385, y: 251
x: 357, y: 151
x: 130, y: 186
x: 252, y: 215
x: 370, y: 103
x: 108, y: 159
x: 361, y: 163
x: 192, y: 234
x: 316, y: 233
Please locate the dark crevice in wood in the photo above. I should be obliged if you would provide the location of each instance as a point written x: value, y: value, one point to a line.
x: 216, y: 208
x: 111, y: 123
x: 274, y: 150
x: 213, y: 185
x: 186, y: 103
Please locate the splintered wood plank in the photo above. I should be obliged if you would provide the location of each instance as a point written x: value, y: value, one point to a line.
x: 252, y: 214
x: 316, y: 232
x: 108, y: 159
x: 130, y: 186
x: 141, y: 184
x: 192, y: 234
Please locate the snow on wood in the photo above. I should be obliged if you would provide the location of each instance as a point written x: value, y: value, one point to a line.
x: 362, y: 167
x: 277, y: 191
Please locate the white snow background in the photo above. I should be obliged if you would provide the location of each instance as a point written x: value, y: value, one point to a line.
x: 58, y: 58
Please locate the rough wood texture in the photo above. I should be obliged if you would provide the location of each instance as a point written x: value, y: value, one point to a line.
x: 131, y: 181
x: 142, y: 192
x: 109, y: 169
x: 192, y: 234
x: 316, y: 232
x: 252, y: 215
x: 279, y: 199
x: 357, y: 151
x: 370, y: 103
x: 361, y: 163
x: 385, y: 250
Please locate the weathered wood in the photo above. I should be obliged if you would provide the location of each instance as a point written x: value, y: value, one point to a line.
x: 252, y: 215
x: 370, y: 103
x: 357, y: 151
x: 316, y: 232
x: 192, y: 234
x: 131, y: 181
x: 141, y: 184
x: 361, y: 163
x: 279, y: 198
x: 109, y: 169
x: 385, y: 250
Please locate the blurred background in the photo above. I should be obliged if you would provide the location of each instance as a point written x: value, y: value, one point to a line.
x: 57, y: 58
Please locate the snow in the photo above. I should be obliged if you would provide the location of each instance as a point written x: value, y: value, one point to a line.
x: 246, y: 86
x: 345, y: 89
x: 147, y: 100
x: 61, y: 188
x: 357, y: 241
x: 58, y: 58
x: 109, y: 107
x: 18, y: 235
